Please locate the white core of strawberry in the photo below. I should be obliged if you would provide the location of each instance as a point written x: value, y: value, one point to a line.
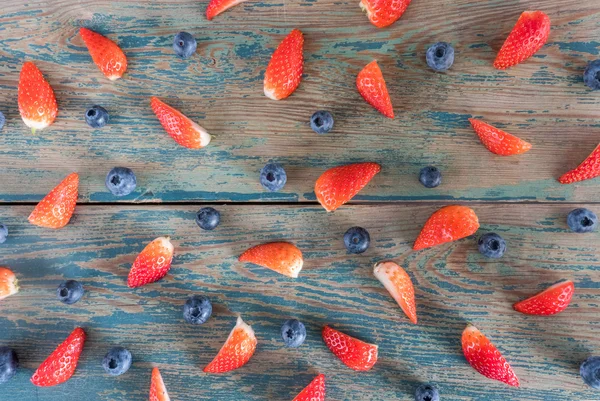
x: 381, y: 272
x: 204, y: 135
x: 270, y: 93
x: 365, y: 8
x: 36, y: 124
x: 240, y: 324
x: 165, y: 243
x: 296, y: 268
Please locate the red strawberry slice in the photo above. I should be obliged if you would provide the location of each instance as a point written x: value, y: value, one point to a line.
x: 9, y: 285
x: 395, y: 279
x: 382, y: 13
x: 284, y: 71
x: 61, y: 364
x: 551, y: 301
x: 158, y: 391
x: 315, y: 391
x: 37, y: 103
x: 497, y: 141
x: 237, y: 350
x: 56, y: 209
x: 372, y: 88
x: 216, y: 7
x: 485, y: 358
x: 355, y: 354
x: 152, y: 264
x: 282, y: 257
x: 588, y: 169
x: 106, y: 54
x: 339, y: 185
x: 528, y: 36
x: 450, y: 223
x: 185, y: 132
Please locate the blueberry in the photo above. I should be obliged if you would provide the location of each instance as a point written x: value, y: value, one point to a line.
x: 69, y: 292
x: 590, y: 371
x: 321, y: 122
x: 197, y: 309
x: 491, y: 245
x: 273, y: 177
x: 3, y: 233
x: 293, y: 333
x: 208, y: 218
x: 357, y: 240
x: 427, y: 392
x: 2, y: 120
x: 582, y: 220
x: 120, y: 181
x: 184, y: 45
x: 440, y: 56
x: 117, y: 361
x: 591, y: 76
x: 9, y: 362
x: 430, y: 177
x: 96, y: 116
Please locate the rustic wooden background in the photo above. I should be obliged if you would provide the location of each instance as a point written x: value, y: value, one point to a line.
x: 543, y: 100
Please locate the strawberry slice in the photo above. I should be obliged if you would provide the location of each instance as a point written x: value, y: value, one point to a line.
x: 382, y: 13
x: 237, y: 350
x: 497, y: 141
x: 216, y: 7
x: 485, y: 358
x: 106, y: 54
x: 284, y: 71
x: 339, y: 185
x: 588, y: 169
x: 448, y: 224
x: 56, y: 209
x: 37, y: 103
x: 61, y: 364
x: 282, y: 257
x: 395, y: 279
x: 355, y: 354
x: 152, y: 264
x: 528, y: 36
x: 551, y: 301
x: 315, y: 391
x: 372, y: 88
x: 185, y: 132
x: 158, y: 391
x: 9, y: 285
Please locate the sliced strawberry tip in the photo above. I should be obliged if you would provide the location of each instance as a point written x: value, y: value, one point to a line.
x: 9, y: 285
x: 551, y: 301
x: 284, y: 72
x: 158, y: 390
x: 371, y: 86
x: 315, y: 391
x: 398, y: 283
x: 282, y: 257
x: 498, y: 141
x: 61, y: 364
x: 588, y: 169
x: 237, y: 350
x: 354, y: 353
x: 216, y: 7
x: 182, y: 129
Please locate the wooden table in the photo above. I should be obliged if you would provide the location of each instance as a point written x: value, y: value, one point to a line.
x: 543, y: 101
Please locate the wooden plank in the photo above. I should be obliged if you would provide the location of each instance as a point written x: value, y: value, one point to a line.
x: 454, y: 285
x: 543, y: 100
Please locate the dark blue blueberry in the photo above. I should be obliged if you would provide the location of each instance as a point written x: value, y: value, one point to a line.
x: 184, y: 45
x: 590, y: 371
x: 491, y: 245
x: 69, y: 292
x: 117, y: 361
x: 357, y: 240
x: 273, y: 177
x: 120, y: 181
x: 293, y: 333
x: 2, y: 120
x: 321, y: 122
x: 3, y: 233
x: 197, y: 309
x: 96, y: 116
x: 591, y: 76
x: 427, y: 392
x: 582, y: 220
x: 208, y: 218
x: 9, y: 362
x: 440, y: 56
x: 430, y: 177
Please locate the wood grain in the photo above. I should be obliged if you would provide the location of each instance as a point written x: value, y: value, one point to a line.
x: 454, y: 285
x: 543, y: 100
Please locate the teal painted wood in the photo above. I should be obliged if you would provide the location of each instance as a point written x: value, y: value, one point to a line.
x: 454, y: 285
x: 543, y: 100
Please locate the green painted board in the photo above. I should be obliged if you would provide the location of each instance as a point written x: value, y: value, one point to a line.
x: 543, y: 100
x: 454, y: 285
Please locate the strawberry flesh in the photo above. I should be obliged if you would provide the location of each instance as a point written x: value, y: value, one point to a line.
x: 9, y: 285
x: 398, y: 283
x: 284, y: 71
x: 528, y: 36
x: 282, y: 257
x: 588, y: 169
x: 339, y: 185
x: 216, y: 7
x: 315, y: 391
x: 158, y: 390
x: 382, y: 13
x: 183, y: 130
x: 372, y: 88
x: 152, y: 264
x: 355, y: 354
x: 37, y: 103
x: 237, y: 350
x: 551, y: 301
x: 61, y: 364
x: 56, y: 209
x: 106, y: 54
x: 450, y: 223
x: 497, y: 141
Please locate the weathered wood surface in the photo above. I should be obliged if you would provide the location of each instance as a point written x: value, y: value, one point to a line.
x: 454, y: 285
x: 543, y: 100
